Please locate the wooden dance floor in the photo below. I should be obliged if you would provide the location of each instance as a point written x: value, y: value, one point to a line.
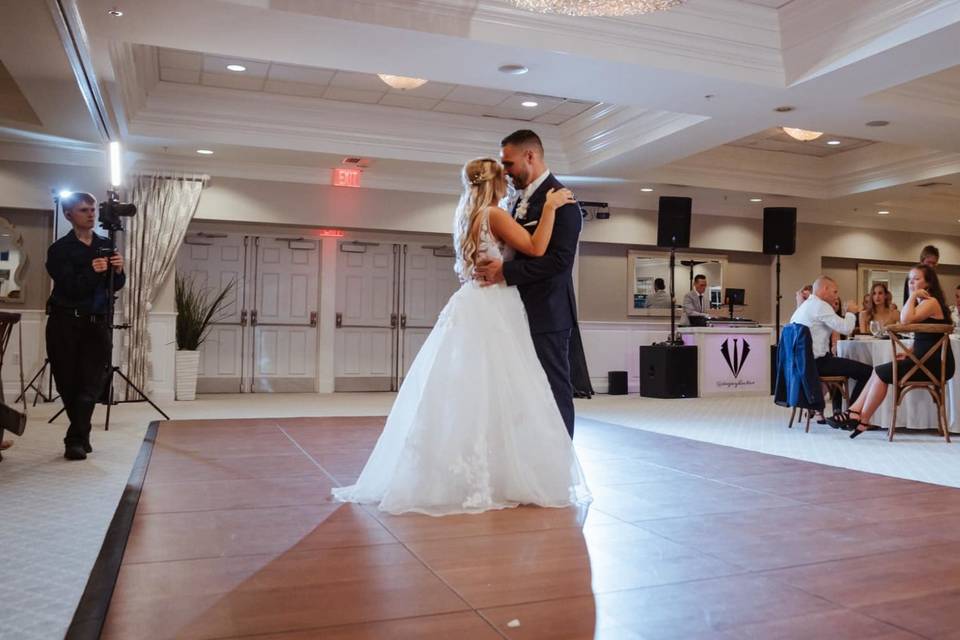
x: 235, y: 535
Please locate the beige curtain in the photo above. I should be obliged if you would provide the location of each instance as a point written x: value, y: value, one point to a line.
x: 165, y: 206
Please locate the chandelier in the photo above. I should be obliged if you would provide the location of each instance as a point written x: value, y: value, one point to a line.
x: 802, y: 134
x: 597, y: 7
x: 402, y: 82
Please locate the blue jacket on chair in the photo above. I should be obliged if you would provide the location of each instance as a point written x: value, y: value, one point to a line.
x: 798, y: 384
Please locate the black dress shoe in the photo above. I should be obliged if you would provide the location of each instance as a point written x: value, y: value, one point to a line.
x: 74, y: 452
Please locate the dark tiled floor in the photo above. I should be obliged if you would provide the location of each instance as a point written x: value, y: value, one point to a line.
x: 236, y: 535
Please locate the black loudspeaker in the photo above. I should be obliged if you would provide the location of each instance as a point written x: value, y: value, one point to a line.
x: 668, y: 371
x: 779, y: 231
x: 617, y: 383
x: 673, y: 222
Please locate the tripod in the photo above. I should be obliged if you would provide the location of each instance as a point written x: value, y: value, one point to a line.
x: 36, y: 380
x: 112, y: 226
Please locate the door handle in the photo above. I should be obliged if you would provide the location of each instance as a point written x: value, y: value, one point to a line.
x: 243, y: 317
x: 253, y: 317
x: 393, y: 320
x: 403, y: 321
x: 339, y: 321
x: 313, y: 318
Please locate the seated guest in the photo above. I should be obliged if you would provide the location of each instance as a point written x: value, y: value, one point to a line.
x: 817, y: 313
x: 659, y: 299
x: 804, y: 293
x: 695, y: 304
x: 879, y: 306
x: 929, y: 256
x: 955, y: 309
x: 925, y: 305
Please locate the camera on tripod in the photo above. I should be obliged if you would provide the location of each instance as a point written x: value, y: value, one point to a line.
x: 111, y: 210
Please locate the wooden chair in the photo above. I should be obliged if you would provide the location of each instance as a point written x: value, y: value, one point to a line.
x: 11, y: 418
x: 834, y: 384
x: 904, y: 369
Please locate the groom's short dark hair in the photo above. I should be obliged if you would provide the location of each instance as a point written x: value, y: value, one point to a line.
x: 523, y: 138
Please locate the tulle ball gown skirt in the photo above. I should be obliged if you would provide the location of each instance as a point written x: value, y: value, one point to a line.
x: 474, y: 426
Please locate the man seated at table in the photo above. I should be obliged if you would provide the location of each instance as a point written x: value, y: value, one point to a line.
x: 817, y: 314
x: 696, y: 304
x: 659, y: 299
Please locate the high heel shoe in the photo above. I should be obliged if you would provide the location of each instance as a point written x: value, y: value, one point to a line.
x: 843, y: 420
x: 866, y: 427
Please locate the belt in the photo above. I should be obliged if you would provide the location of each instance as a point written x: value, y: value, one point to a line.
x: 65, y: 312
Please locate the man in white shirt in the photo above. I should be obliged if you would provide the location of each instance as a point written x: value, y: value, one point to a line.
x: 817, y: 314
x: 696, y: 303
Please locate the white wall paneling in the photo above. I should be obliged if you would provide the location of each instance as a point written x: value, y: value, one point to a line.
x: 615, y: 346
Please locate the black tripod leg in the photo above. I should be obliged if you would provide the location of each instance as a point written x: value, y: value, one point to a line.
x: 32, y: 385
x: 142, y: 394
x: 106, y: 423
x: 56, y: 415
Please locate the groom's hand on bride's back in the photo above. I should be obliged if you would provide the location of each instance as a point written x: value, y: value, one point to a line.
x: 489, y: 271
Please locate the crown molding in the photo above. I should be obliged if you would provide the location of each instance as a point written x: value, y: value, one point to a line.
x: 820, y: 36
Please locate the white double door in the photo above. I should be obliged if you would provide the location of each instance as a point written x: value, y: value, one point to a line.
x: 266, y: 337
x: 388, y: 298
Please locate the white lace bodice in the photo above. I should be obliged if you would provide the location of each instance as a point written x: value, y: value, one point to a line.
x: 491, y: 246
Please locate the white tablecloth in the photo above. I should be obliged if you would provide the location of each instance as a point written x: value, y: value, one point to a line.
x: 917, y: 411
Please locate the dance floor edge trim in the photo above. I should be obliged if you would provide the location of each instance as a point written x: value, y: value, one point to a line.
x: 91, y: 612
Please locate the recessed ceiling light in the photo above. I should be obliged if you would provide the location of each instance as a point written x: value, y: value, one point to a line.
x: 833, y: 143
x: 883, y: 212
x: 756, y: 199
x: 878, y: 123
x: 529, y: 104
x: 116, y: 13
x: 205, y: 152
x: 513, y: 69
x: 236, y: 67
x: 646, y: 189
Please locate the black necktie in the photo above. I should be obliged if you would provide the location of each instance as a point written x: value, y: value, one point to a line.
x: 701, y: 303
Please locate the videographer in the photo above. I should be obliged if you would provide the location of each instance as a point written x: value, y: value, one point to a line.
x: 78, y: 329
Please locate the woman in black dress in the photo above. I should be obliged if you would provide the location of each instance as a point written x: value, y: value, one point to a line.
x: 925, y: 304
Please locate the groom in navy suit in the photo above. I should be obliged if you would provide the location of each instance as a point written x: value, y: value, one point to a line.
x: 545, y: 283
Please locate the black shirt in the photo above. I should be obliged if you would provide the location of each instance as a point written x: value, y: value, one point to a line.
x: 76, y: 286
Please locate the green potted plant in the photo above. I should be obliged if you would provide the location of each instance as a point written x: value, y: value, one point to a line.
x: 197, y: 310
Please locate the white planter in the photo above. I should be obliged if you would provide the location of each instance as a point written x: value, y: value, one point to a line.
x: 188, y: 366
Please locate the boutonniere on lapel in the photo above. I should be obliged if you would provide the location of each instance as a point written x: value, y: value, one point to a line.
x: 522, y: 209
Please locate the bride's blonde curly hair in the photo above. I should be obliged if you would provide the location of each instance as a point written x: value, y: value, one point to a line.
x: 484, y: 185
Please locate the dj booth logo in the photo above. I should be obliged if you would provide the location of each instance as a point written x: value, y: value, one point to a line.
x: 735, y: 361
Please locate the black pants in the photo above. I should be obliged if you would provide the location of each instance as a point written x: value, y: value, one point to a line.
x: 553, y: 350
x: 830, y: 365
x: 78, y: 349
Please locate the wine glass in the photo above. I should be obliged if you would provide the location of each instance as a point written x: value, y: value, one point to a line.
x: 876, y: 328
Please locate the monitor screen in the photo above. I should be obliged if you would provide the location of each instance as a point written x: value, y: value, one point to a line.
x: 735, y: 296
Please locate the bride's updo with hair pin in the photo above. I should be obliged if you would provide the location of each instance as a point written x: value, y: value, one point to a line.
x: 484, y: 185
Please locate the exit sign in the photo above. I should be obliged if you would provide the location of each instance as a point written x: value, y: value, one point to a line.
x: 346, y: 177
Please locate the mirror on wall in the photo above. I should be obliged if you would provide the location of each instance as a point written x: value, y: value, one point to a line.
x: 891, y: 275
x: 648, y: 280
x: 12, y: 262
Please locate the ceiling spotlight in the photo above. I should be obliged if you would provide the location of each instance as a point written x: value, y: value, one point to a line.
x: 529, y: 104
x: 878, y: 123
x: 803, y: 135
x: 646, y: 189
x: 883, y: 212
x: 833, y: 143
x: 513, y: 69
x: 66, y: 192
x: 756, y: 199
x: 402, y: 83
x: 236, y: 67
x: 116, y: 13
x: 205, y: 152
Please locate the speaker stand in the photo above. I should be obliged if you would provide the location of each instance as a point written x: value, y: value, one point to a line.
x: 674, y: 338
x: 776, y: 336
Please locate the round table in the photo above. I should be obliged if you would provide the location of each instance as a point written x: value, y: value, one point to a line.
x: 917, y: 411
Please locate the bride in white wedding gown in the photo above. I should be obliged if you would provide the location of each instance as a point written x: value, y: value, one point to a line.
x: 475, y: 425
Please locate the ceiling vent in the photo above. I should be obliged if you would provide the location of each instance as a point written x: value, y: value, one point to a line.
x: 935, y: 184
x: 357, y: 161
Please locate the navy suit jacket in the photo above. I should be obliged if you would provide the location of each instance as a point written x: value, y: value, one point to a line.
x: 546, y: 283
x: 798, y: 384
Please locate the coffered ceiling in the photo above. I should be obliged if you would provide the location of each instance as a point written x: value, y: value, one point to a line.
x: 685, y: 99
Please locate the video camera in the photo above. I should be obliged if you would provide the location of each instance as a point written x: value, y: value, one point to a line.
x: 111, y: 210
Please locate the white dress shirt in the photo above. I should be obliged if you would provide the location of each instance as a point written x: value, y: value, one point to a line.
x: 520, y: 206
x: 818, y: 316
